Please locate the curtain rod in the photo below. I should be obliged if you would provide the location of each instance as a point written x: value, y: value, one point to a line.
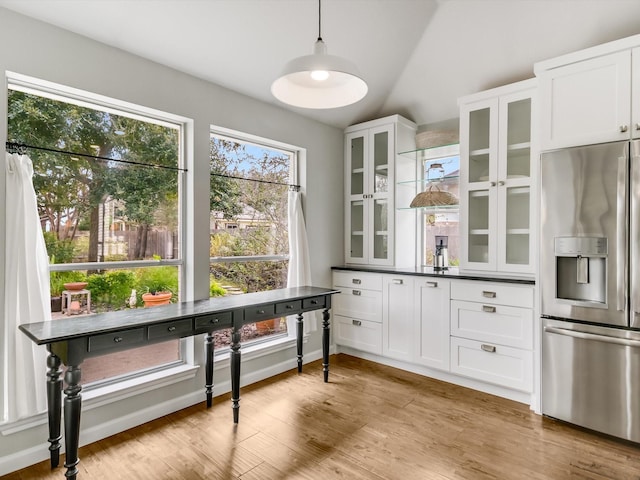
x: 20, y: 148
x: 291, y: 186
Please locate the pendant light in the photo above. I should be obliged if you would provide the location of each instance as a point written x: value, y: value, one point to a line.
x: 319, y: 80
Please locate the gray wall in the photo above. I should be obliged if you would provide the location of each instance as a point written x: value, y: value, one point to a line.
x: 40, y: 50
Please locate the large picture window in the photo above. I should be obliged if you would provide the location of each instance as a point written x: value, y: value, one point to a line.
x: 249, y: 245
x: 108, y: 185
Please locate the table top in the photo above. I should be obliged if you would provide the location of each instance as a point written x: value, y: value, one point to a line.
x: 76, y: 327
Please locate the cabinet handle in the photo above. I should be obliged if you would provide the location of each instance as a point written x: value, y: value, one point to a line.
x: 432, y: 284
x: 488, y: 309
x: 623, y: 128
x: 357, y: 293
x: 356, y: 281
x: 117, y: 339
x: 493, y: 184
x: 488, y: 348
x: 397, y: 281
x: 501, y: 183
x: 488, y: 294
x: 357, y: 323
x: 171, y: 329
x: 637, y: 126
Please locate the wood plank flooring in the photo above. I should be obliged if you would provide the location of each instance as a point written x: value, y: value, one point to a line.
x: 369, y: 422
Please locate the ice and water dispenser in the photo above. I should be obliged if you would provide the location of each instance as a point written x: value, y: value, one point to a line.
x: 581, y: 269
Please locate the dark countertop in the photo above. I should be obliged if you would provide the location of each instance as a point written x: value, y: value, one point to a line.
x: 452, y: 273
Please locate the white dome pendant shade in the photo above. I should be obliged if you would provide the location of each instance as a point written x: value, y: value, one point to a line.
x: 319, y: 80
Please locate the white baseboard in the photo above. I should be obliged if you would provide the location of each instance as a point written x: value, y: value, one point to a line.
x: 92, y: 433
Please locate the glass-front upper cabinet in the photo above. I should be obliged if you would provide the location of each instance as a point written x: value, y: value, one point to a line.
x: 496, y: 175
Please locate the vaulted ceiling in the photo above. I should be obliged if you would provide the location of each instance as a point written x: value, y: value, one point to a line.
x: 418, y: 56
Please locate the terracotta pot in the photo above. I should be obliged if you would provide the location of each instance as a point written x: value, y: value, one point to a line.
x: 159, y: 298
x: 73, y: 286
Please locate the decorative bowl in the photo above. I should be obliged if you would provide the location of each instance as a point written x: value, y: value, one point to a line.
x: 75, y: 285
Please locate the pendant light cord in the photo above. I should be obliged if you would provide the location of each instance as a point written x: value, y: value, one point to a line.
x: 319, y: 20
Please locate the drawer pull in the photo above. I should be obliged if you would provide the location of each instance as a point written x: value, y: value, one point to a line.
x: 214, y: 321
x: 488, y: 294
x: 397, y: 281
x: 357, y: 323
x: 314, y: 302
x: 488, y: 348
x: 118, y: 339
x: 289, y: 306
x: 488, y: 309
x: 260, y: 312
x: 432, y: 284
x: 172, y: 328
x: 356, y: 281
x: 357, y: 293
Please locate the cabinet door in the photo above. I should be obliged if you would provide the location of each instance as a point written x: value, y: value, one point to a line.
x: 357, y: 211
x: 432, y: 333
x: 397, y: 317
x: 516, y: 205
x: 380, y: 182
x: 586, y: 102
x: 478, y: 182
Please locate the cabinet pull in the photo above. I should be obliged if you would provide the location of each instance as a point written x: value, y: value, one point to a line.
x: 357, y: 323
x: 356, y: 281
x: 117, y: 339
x: 289, y: 306
x: 637, y: 126
x: 357, y: 293
x: 214, y: 321
x: 488, y: 294
x: 260, y: 312
x: 171, y: 329
x: 488, y: 309
x: 488, y: 348
x: 623, y: 128
x: 432, y: 284
x: 501, y: 182
x: 493, y: 184
x: 397, y: 281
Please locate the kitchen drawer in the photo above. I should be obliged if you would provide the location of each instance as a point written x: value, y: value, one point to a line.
x: 219, y: 320
x: 359, y: 280
x: 504, y: 325
x: 494, y: 293
x: 170, y: 329
x: 286, y: 308
x: 116, y: 340
x: 506, y: 366
x: 360, y: 334
x: 360, y: 304
x: 257, y: 314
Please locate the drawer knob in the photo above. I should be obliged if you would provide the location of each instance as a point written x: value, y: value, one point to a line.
x: 118, y: 339
x: 357, y: 323
x: 289, y: 307
x: 488, y: 294
x: 357, y: 293
x: 260, y: 312
x: 488, y: 309
x: 356, y: 281
x: 172, y: 328
x: 623, y: 128
x: 314, y: 302
x: 214, y: 320
x: 488, y: 348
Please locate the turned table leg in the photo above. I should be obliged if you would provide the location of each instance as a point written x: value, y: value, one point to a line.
x: 208, y: 351
x: 325, y: 344
x: 72, y: 407
x: 54, y: 407
x: 299, y: 331
x: 235, y: 373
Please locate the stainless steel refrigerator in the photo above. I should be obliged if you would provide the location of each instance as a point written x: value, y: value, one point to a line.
x: 590, y: 287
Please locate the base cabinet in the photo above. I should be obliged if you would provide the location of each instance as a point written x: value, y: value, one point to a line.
x: 432, y: 307
x: 398, y: 317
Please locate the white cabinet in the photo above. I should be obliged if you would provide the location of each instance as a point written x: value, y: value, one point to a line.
x: 370, y: 154
x: 357, y: 310
x: 492, y: 333
x: 432, y: 322
x: 591, y: 96
x: 398, y: 317
x: 498, y: 166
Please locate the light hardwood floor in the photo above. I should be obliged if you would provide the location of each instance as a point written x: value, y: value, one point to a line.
x: 369, y: 422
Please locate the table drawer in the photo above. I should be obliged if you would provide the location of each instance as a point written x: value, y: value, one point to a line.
x: 506, y: 366
x: 504, y: 325
x: 357, y: 303
x: 286, y: 308
x: 256, y: 314
x: 365, y: 281
x: 116, y: 340
x: 494, y: 293
x: 313, y: 302
x: 170, y: 329
x: 360, y: 334
x: 218, y: 320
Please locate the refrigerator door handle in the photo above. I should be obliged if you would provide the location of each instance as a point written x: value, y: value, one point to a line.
x: 621, y: 233
x: 626, y: 342
x: 634, y: 235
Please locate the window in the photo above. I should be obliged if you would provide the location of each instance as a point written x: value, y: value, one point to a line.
x: 108, y: 183
x: 249, y: 244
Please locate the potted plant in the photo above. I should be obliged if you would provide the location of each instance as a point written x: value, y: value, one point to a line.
x: 157, y: 294
x: 159, y: 283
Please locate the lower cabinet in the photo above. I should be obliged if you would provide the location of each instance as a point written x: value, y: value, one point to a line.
x: 468, y: 328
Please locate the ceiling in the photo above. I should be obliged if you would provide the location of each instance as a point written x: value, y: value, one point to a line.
x: 418, y: 56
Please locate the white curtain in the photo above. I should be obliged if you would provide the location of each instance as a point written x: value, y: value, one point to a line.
x: 299, y: 264
x: 26, y: 293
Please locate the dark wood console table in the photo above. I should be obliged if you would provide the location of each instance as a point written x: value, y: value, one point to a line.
x: 71, y: 340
